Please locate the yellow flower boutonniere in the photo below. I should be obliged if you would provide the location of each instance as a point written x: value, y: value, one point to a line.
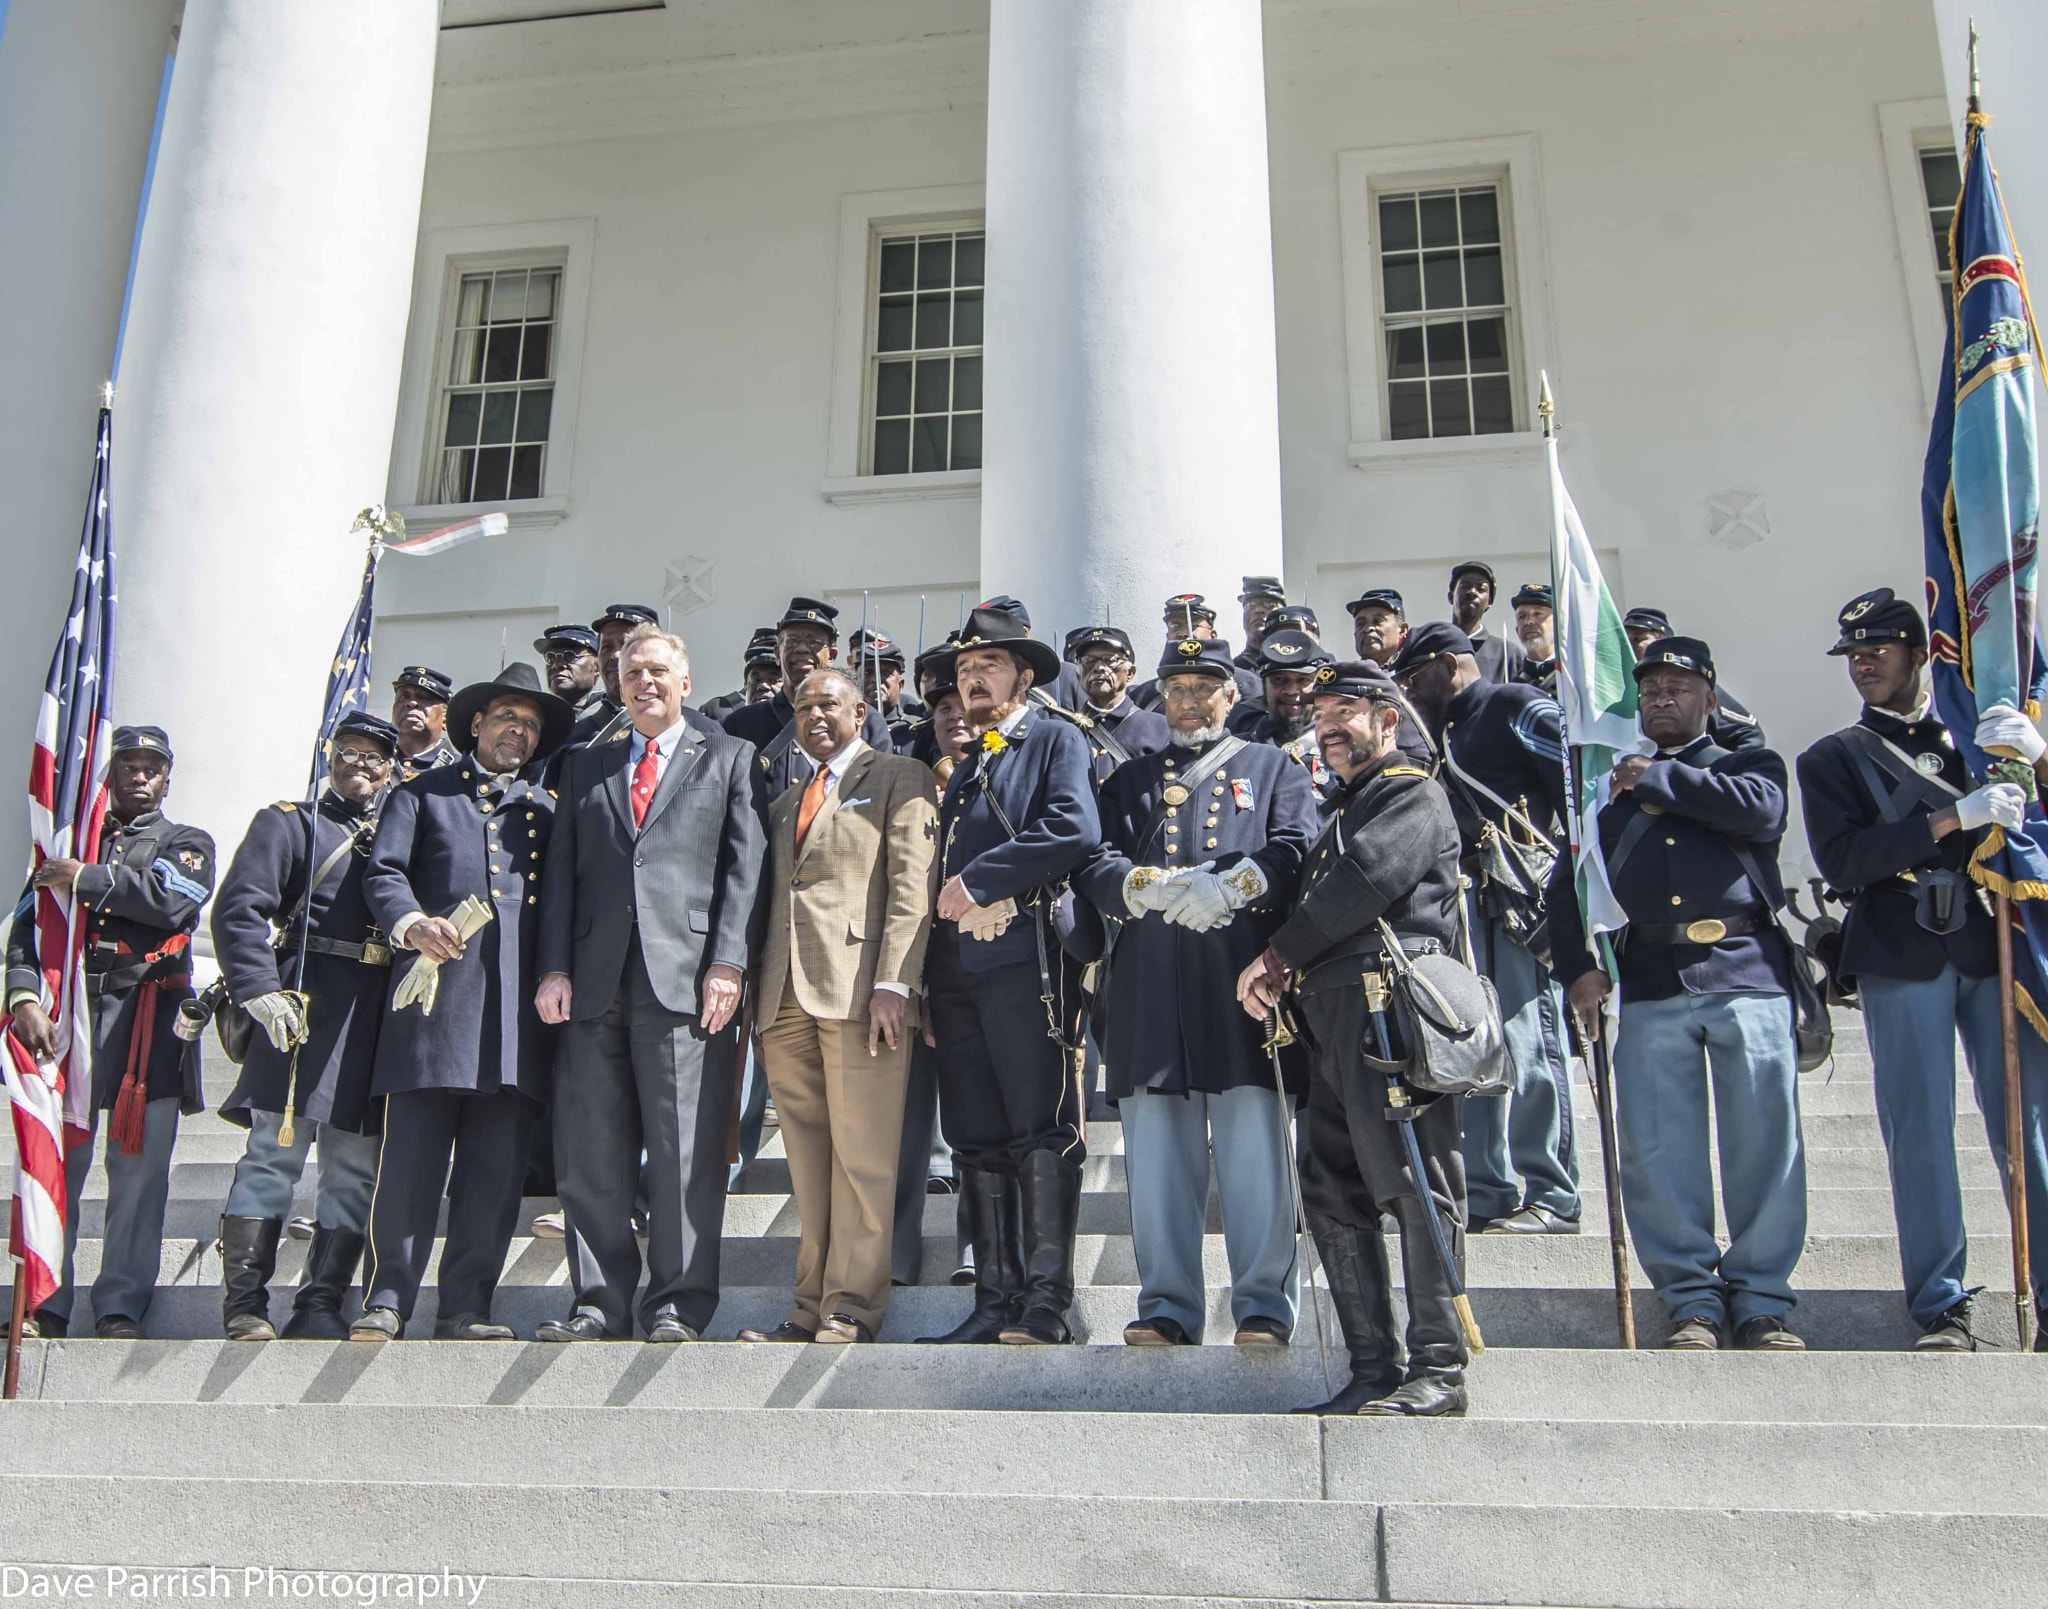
x: 993, y: 742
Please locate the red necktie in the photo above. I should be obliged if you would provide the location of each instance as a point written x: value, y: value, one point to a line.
x: 643, y: 782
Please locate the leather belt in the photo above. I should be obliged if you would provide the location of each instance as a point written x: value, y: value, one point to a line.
x: 371, y: 952
x: 1707, y: 930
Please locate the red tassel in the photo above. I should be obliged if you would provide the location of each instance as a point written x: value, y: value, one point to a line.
x: 126, y: 1128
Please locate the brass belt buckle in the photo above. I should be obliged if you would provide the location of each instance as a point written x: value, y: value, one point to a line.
x: 376, y: 953
x: 1708, y: 930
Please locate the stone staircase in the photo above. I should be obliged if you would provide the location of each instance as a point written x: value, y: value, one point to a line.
x: 1093, y: 1475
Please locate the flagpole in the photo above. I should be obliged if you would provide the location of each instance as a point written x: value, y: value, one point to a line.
x: 1596, y: 1037
x: 17, y: 1321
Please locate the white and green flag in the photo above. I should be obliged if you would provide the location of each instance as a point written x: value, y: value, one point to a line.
x: 1597, y: 690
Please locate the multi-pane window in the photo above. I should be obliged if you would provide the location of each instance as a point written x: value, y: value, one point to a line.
x: 1444, y: 312
x: 924, y: 382
x: 500, y: 386
x: 1941, y: 182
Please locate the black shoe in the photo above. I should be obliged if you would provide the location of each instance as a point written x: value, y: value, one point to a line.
x: 1434, y: 1395
x: 1049, y: 1186
x: 300, y: 1228
x: 330, y: 1269
x: 248, y: 1257
x: 1156, y: 1332
x: 472, y: 1327
x: 668, y: 1330
x: 1260, y: 1331
x: 940, y: 1185
x: 1767, y: 1333
x: 1354, y: 1395
x: 576, y: 1327
x: 1696, y: 1334
x: 1950, y: 1332
x: 785, y: 1331
x: 1531, y: 1220
x: 840, y: 1330
x: 45, y: 1326
x: 117, y: 1327
x: 377, y: 1324
x: 993, y: 1213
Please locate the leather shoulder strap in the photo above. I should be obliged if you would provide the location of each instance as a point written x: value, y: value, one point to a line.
x: 1212, y: 762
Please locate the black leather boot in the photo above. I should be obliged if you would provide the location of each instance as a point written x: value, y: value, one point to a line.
x: 248, y: 1256
x: 1435, y: 1382
x: 1050, y: 1185
x: 1361, y: 1290
x: 330, y: 1269
x: 990, y: 1204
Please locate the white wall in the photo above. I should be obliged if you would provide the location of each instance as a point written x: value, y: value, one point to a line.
x: 1728, y: 313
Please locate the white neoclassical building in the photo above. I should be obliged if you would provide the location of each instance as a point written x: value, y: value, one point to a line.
x: 1089, y: 301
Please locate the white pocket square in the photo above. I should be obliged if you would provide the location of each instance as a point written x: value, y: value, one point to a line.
x: 848, y: 804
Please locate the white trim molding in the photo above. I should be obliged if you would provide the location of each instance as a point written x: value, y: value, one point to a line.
x: 444, y: 255
x: 1907, y: 128
x: 860, y: 215
x: 1512, y: 162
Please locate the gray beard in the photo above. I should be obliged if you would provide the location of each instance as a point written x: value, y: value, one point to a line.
x: 1196, y: 740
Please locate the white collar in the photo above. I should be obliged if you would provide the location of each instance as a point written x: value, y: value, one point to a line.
x: 836, y: 766
x: 664, y: 742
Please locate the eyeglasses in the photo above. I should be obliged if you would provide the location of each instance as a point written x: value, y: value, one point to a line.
x: 366, y: 759
x: 573, y: 651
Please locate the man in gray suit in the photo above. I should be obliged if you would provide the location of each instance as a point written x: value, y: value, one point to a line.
x: 646, y: 901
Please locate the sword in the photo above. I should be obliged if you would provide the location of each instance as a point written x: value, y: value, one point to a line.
x: 1277, y: 1034
x: 1403, y: 1111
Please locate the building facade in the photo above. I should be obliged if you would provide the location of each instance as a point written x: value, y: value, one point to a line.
x: 1089, y: 301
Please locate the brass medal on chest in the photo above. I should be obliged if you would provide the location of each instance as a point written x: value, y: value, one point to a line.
x: 1175, y: 794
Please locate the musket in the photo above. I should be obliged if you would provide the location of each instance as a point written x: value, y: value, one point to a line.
x: 1403, y: 1113
x: 1277, y: 1035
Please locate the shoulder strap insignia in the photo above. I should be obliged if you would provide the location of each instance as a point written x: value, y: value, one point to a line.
x: 286, y: 805
x: 1404, y: 771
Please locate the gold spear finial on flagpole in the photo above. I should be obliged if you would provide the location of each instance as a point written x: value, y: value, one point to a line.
x: 1546, y: 410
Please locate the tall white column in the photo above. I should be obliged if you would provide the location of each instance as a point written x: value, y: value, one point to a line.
x: 260, y: 377
x: 1133, y: 439
x: 78, y: 90
x: 2014, y: 59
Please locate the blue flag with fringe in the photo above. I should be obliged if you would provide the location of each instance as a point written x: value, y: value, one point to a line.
x: 1981, y: 509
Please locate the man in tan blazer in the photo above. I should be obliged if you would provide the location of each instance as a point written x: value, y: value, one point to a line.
x: 850, y: 862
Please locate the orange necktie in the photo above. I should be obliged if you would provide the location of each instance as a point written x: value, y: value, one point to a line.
x: 808, y: 806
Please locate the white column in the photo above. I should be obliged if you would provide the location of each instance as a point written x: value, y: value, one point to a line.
x: 78, y: 90
x: 1133, y: 437
x: 260, y: 377
x: 2013, y: 56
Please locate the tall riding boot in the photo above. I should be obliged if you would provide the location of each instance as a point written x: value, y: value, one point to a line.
x: 1362, y: 1291
x: 1435, y: 1383
x: 1051, y: 1188
x: 990, y: 1204
x: 248, y: 1256
x: 330, y: 1269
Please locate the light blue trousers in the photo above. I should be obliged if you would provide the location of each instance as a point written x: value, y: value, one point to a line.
x: 1168, y: 1140
x: 1670, y: 1054
x: 1527, y: 1131
x: 1913, y: 1028
x: 132, y: 1242
x: 268, y: 1173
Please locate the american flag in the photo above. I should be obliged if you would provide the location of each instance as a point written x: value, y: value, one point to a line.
x: 348, y: 679
x: 67, y: 789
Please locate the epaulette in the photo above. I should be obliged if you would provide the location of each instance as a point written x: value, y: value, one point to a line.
x: 287, y: 805
x: 1728, y: 714
x: 1405, y: 771
x: 1065, y: 714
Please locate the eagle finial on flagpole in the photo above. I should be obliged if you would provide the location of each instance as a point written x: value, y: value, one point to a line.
x: 1546, y: 409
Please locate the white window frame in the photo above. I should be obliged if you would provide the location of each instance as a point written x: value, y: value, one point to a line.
x: 445, y: 256
x: 1511, y: 163
x: 1907, y: 128
x: 864, y: 218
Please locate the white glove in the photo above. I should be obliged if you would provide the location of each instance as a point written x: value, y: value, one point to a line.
x: 1147, y: 888
x: 2003, y: 727
x: 1201, y: 903
x: 422, y: 982
x: 1996, y: 802
x: 1243, y: 883
x: 280, y: 1018
x: 988, y: 922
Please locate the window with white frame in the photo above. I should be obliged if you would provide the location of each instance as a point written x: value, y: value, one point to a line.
x: 923, y: 382
x: 1444, y: 312
x: 498, y: 378
x: 1941, y: 184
